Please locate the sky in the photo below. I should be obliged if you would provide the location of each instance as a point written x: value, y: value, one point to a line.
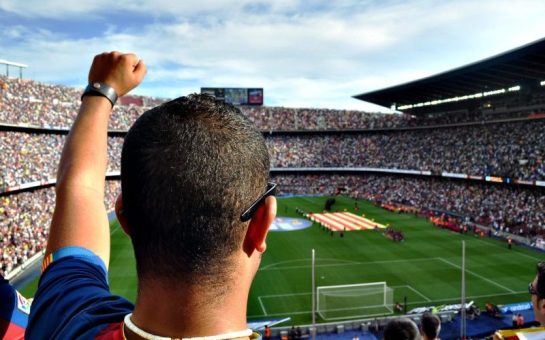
x: 303, y: 53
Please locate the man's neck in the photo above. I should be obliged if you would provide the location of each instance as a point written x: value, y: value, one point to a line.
x: 186, y: 311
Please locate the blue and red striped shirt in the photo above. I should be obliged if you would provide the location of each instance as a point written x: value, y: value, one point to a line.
x: 73, y: 300
x: 14, y: 309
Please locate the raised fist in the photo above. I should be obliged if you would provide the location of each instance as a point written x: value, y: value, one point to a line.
x: 123, y: 72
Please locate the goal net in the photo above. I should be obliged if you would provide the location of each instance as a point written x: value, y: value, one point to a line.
x: 354, y: 301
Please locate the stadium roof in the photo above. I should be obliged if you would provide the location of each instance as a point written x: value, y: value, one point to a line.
x: 520, y: 65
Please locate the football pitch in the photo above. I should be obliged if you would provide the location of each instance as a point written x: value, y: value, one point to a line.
x: 425, y: 268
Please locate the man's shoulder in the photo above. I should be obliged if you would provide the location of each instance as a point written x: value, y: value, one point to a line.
x: 74, y: 300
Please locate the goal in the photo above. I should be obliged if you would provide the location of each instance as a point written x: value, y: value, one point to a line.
x: 354, y: 301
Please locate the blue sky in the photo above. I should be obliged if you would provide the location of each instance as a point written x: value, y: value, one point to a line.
x: 303, y: 53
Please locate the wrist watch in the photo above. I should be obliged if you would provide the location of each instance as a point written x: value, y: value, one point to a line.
x: 98, y: 88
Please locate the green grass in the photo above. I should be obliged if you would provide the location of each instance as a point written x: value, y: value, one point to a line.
x: 425, y: 268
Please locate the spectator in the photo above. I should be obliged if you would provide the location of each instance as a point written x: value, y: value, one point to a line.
x: 188, y: 267
x: 267, y: 333
x: 430, y: 326
x: 537, y: 291
x: 536, y: 288
x: 401, y: 329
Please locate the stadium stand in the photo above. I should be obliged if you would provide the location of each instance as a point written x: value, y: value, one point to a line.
x: 501, y: 135
x: 34, y: 157
x: 505, y: 208
x: 41, y: 105
x: 25, y: 224
x: 510, y: 148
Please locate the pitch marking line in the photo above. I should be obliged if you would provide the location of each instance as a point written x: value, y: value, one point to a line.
x: 477, y: 275
x: 284, y: 295
x: 410, y: 303
x: 338, y: 262
x: 414, y: 290
x: 345, y: 263
x: 515, y: 252
x: 114, y: 229
x: 262, y: 306
x: 457, y: 298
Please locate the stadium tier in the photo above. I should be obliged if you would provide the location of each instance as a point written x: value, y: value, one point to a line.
x: 25, y: 224
x: 31, y: 103
x: 511, y: 148
x: 507, y: 150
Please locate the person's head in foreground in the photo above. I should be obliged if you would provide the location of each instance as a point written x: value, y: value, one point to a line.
x: 195, y: 201
x: 194, y: 174
x: 430, y: 326
x: 536, y: 289
x: 401, y: 329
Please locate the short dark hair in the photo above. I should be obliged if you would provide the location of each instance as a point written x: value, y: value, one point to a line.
x: 189, y: 168
x: 401, y: 329
x: 430, y: 324
x: 540, y: 285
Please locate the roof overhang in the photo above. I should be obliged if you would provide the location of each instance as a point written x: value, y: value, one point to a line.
x: 522, y: 65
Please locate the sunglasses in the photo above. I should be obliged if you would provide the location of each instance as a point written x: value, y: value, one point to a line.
x: 248, y: 213
x: 531, y: 289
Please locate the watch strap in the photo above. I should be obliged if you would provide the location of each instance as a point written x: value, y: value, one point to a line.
x: 98, y: 88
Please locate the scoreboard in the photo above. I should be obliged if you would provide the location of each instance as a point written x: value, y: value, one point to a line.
x: 235, y: 95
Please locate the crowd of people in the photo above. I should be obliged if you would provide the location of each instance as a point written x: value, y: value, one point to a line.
x: 30, y: 157
x: 38, y: 104
x: 24, y: 226
x: 507, y: 150
x: 510, y: 209
x: 55, y: 106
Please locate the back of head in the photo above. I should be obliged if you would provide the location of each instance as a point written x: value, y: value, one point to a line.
x: 540, y: 284
x: 431, y: 325
x: 401, y: 329
x: 189, y: 168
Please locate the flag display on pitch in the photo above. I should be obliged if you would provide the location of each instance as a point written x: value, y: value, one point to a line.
x: 344, y: 221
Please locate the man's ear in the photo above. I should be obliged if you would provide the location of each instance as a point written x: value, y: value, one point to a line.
x: 120, y: 216
x: 259, y: 226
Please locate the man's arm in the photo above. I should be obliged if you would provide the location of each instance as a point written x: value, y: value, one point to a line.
x: 80, y: 217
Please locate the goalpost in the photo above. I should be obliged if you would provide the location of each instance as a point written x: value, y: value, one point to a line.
x: 354, y: 301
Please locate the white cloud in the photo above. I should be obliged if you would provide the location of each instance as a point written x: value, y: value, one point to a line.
x: 314, y: 54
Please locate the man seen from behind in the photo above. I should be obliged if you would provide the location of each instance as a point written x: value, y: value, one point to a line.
x: 195, y: 202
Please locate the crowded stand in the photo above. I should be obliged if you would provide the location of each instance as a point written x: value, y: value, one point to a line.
x: 513, y: 149
x: 37, y: 104
x: 290, y: 119
x: 509, y: 149
x: 505, y: 208
x: 55, y: 106
x: 24, y: 226
x: 28, y: 157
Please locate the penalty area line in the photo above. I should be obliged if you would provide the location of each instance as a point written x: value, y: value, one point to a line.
x: 476, y: 275
x: 262, y: 306
x: 414, y: 290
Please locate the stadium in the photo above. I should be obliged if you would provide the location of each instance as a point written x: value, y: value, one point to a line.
x: 375, y: 210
